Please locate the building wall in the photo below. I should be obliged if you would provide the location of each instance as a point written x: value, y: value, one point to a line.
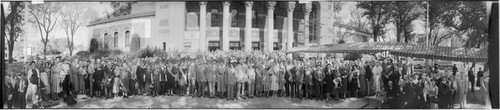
x: 173, y: 27
x: 138, y: 27
x: 169, y: 25
x: 327, y: 32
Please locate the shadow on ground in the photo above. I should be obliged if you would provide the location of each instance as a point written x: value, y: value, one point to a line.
x: 189, y: 102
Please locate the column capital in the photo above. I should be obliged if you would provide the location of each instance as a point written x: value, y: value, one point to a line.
x: 271, y: 5
x: 226, y: 3
x: 203, y: 3
x: 249, y: 3
x: 291, y: 6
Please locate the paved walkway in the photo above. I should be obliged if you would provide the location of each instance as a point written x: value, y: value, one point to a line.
x: 188, y: 102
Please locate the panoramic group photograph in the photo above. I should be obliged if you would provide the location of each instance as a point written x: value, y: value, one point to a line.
x: 232, y: 54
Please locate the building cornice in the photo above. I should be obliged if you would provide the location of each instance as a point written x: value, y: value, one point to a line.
x: 130, y: 16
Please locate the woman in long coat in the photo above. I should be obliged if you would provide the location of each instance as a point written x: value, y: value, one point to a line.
x: 274, y: 83
x: 170, y: 80
x: 81, y: 77
x: 462, y: 87
x: 258, y: 81
x: 266, y: 82
x: 377, y: 76
x: 220, y: 81
x: 148, y: 79
x: 156, y: 80
x: 55, y: 80
x: 328, y: 81
x: 116, y: 81
x: 354, y: 81
x: 345, y: 81
x: 125, y: 78
x: 182, y: 80
x: 308, y: 82
x: 362, y: 81
x: 281, y: 79
x: 74, y: 73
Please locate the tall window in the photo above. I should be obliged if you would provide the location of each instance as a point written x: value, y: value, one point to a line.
x: 276, y: 46
x: 213, y: 45
x: 105, y: 42
x: 234, y: 45
x: 255, y: 46
x: 216, y: 18
x: 115, y: 40
x: 127, y: 38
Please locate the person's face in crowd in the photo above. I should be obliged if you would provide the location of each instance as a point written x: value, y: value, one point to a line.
x: 7, y: 78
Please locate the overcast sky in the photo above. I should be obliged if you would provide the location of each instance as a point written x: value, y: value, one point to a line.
x: 81, y: 37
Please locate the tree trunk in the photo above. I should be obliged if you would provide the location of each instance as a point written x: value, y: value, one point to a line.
x: 407, y: 36
x: 45, y: 50
x: 398, y: 34
x: 11, y: 49
x: 45, y: 45
x: 3, y: 27
x: 71, y: 51
x: 375, y: 35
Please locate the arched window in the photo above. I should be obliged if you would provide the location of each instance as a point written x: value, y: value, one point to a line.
x: 127, y: 38
x: 105, y: 40
x: 115, y: 40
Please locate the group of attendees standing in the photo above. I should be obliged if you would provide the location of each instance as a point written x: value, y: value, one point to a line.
x: 432, y: 87
x: 235, y: 76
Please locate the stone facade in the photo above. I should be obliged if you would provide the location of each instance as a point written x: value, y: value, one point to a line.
x: 177, y: 25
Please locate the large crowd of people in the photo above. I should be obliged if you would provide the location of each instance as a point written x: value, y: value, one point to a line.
x: 235, y: 75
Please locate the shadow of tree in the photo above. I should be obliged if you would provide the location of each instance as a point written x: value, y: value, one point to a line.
x: 209, y: 103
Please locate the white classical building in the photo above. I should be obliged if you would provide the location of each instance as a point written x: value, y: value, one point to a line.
x: 201, y: 25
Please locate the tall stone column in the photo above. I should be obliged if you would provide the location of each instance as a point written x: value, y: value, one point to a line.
x: 270, y: 25
x: 248, y: 25
x: 226, y: 25
x: 307, y: 11
x: 289, y: 39
x: 203, y: 26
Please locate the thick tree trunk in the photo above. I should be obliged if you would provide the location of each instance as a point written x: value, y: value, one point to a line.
x: 398, y: 34
x: 11, y: 49
x: 407, y: 36
x: 71, y: 51
x: 45, y: 45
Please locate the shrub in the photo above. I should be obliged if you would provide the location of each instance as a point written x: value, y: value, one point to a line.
x: 353, y: 56
x: 149, y: 52
x: 82, y: 55
x: 100, y: 54
x: 116, y: 52
x: 341, y: 41
x: 94, y: 45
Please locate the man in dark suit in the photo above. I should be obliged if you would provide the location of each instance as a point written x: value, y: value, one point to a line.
x: 21, y: 87
x: 368, y: 79
x: 480, y: 75
x: 455, y: 69
x: 8, y: 90
x: 471, y: 78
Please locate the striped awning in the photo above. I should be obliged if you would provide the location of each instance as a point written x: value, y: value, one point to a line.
x: 400, y: 49
x: 361, y: 47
